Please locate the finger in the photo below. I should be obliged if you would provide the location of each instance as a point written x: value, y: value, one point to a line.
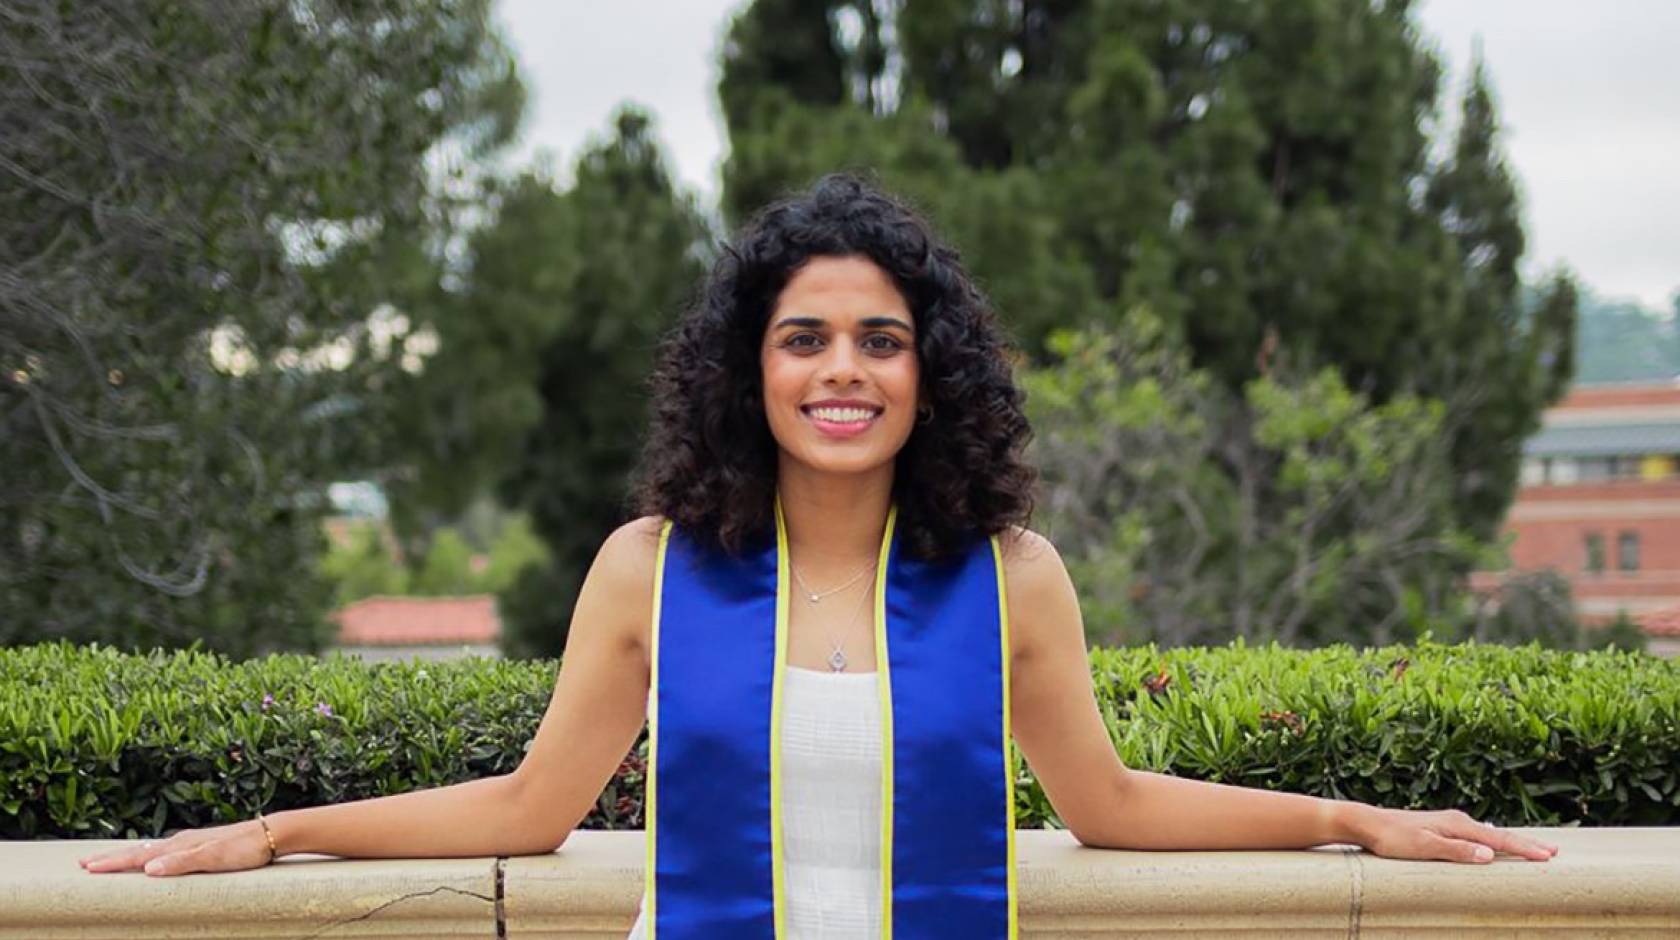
x: 1516, y: 843
x: 1456, y: 850
x: 1501, y: 840
x: 120, y: 860
x: 174, y: 863
x: 108, y: 862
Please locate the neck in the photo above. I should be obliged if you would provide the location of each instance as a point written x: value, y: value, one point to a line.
x: 833, y: 520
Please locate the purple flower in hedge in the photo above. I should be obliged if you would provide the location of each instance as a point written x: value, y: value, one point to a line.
x: 324, y: 708
x: 267, y: 702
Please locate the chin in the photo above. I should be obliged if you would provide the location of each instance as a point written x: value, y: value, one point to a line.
x: 870, y: 452
x: 833, y: 460
x: 842, y: 466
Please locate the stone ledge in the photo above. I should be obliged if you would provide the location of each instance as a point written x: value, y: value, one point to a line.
x: 1603, y: 883
x: 45, y: 895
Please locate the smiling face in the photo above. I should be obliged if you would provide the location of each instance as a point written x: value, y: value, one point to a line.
x: 839, y: 367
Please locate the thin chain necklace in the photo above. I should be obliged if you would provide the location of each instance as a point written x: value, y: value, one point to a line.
x: 816, y: 596
x: 837, y: 659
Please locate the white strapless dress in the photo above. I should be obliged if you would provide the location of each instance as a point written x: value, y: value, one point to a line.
x: 831, y: 806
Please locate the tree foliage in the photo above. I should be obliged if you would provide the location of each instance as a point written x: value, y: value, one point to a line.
x: 1295, y: 511
x: 363, y: 567
x: 1623, y: 341
x: 231, y: 272
x: 199, y: 204
x: 1271, y: 180
x: 367, y: 564
x: 544, y: 364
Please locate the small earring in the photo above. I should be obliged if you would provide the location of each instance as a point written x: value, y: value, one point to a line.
x: 924, y: 414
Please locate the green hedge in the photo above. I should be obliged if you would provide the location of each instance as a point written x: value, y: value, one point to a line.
x: 96, y: 743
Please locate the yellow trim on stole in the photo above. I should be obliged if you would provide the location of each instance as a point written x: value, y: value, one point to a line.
x: 883, y: 682
x: 778, y: 878
x: 650, y: 800
x: 1008, y: 760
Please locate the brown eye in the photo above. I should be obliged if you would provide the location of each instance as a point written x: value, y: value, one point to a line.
x: 887, y: 343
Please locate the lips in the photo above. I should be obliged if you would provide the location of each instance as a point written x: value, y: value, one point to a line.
x: 842, y: 418
x: 842, y: 414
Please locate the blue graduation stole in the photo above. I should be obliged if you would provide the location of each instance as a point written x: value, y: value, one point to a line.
x: 714, y: 809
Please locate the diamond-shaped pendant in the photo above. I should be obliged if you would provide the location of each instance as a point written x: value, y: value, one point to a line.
x: 837, y: 661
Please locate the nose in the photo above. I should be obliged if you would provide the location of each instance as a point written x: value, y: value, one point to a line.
x: 841, y: 364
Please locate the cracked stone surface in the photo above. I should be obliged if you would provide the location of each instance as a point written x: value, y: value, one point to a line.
x: 45, y: 895
x: 341, y: 928
x: 1605, y: 883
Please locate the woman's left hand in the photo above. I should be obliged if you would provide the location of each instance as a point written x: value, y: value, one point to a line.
x: 1441, y: 835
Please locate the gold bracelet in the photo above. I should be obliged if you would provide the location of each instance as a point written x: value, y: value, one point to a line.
x: 272, y: 852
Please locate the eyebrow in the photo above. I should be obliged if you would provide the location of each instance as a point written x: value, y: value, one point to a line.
x: 866, y: 322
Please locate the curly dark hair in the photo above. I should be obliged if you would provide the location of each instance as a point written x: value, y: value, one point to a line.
x: 709, y: 462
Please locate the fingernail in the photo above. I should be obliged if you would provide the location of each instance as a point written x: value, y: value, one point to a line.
x: 153, y: 867
x: 1483, y: 853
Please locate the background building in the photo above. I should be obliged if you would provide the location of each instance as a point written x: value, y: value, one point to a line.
x: 1600, y: 504
x: 379, y: 629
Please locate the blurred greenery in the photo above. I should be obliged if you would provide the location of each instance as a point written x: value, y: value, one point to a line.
x: 1295, y: 511
x: 1280, y: 359
x: 1623, y: 341
x: 1305, y: 361
x: 366, y: 565
x: 207, y: 209
x: 609, y: 264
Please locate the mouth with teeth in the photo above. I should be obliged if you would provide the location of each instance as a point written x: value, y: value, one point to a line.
x: 842, y: 420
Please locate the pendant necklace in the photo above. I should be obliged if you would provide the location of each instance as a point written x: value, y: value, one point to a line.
x: 816, y: 596
x: 836, y: 659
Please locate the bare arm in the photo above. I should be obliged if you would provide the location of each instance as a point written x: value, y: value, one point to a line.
x: 1062, y: 736
x: 1106, y: 805
x: 596, y: 711
x: 464, y: 820
x: 1102, y: 802
x: 1052, y: 704
x: 600, y: 698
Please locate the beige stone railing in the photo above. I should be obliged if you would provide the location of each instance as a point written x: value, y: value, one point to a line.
x: 1603, y: 883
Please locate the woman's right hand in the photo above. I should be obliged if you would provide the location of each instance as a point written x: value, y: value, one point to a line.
x: 233, y: 847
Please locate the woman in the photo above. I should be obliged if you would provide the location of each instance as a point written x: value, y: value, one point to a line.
x: 836, y: 407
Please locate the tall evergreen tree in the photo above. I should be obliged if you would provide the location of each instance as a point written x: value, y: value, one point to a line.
x: 847, y: 109
x: 797, y: 66
x: 1498, y: 368
x: 1259, y: 174
x: 620, y: 253
x: 997, y: 72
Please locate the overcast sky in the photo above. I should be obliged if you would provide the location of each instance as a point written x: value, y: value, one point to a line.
x: 1588, y: 93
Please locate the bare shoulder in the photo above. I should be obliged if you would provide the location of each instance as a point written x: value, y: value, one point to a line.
x: 1020, y: 540
x: 620, y: 581
x: 1042, y: 603
x: 1030, y: 561
x: 632, y: 548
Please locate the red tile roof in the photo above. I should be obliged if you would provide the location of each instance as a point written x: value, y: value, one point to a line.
x: 403, y: 621
x: 1665, y: 622
x: 1620, y: 395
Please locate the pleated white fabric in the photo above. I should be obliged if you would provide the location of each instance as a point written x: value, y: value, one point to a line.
x: 831, y: 806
